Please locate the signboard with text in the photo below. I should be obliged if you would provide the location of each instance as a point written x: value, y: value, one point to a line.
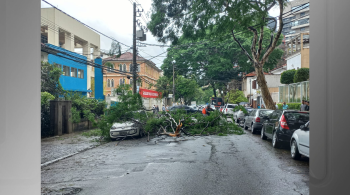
x: 146, y: 93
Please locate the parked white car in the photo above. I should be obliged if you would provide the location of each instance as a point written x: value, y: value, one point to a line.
x: 239, y: 116
x: 127, y: 129
x: 299, y: 143
x: 228, y: 109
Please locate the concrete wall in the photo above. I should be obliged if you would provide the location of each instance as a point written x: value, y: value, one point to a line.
x: 305, y: 58
x: 82, y: 125
x: 70, y: 25
x: 273, y: 81
x: 149, y: 102
x: 294, y: 62
x: 60, y: 113
x: 248, y: 86
x: 274, y: 96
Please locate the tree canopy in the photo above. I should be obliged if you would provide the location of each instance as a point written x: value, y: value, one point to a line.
x: 217, y: 20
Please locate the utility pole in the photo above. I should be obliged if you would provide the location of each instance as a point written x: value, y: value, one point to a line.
x: 173, y: 84
x: 134, y: 64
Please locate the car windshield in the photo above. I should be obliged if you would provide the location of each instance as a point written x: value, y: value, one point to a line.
x: 263, y: 113
x: 297, y: 117
x: 230, y: 106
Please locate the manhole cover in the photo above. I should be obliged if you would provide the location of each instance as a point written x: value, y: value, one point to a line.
x: 69, y: 191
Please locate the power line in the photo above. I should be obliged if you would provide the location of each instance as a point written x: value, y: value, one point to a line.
x: 77, y: 59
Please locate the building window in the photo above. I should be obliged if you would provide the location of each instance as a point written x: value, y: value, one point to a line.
x: 74, y: 72
x: 131, y: 82
x: 302, y: 29
x: 112, y: 83
x: 121, y: 82
x: 130, y: 67
x: 120, y: 67
x: 138, y: 68
x: 59, y: 66
x: 66, y: 71
x: 80, y: 74
x: 124, y: 67
x: 108, y: 83
x: 302, y: 14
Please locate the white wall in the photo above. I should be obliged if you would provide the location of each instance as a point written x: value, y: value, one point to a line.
x: 294, y: 62
x: 248, y: 86
x: 273, y: 80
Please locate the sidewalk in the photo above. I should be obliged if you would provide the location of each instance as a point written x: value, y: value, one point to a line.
x: 57, y: 147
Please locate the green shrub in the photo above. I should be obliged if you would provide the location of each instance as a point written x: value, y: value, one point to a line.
x: 301, y: 75
x: 287, y: 76
x: 45, y: 114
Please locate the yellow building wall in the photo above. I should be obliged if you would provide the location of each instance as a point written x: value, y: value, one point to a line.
x: 305, y: 58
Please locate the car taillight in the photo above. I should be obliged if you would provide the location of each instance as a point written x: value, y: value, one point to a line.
x: 257, y: 120
x: 283, y: 123
x: 226, y: 109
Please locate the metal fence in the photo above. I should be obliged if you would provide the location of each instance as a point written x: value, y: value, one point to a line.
x: 294, y: 93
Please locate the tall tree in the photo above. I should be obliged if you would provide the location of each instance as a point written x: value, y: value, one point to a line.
x: 171, y: 19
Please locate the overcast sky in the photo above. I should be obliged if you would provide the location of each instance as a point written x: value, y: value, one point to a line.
x: 114, y: 18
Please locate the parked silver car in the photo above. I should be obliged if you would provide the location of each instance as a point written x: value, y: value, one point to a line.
x: 299, y: 143
x: 255, y: 119
x: 127, y: 129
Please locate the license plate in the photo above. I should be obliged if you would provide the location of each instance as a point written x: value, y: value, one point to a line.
x: 123, y: 133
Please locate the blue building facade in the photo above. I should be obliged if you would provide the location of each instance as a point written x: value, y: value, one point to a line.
x: 98, y: 80
x: 74, y: 77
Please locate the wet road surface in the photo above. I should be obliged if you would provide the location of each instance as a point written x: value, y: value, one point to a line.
x: 235, y: 164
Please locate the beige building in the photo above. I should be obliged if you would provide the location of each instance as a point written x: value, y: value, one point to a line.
x: 147, y: 70
x: 61, y: 30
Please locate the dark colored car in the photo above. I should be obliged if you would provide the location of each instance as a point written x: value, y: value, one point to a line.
x: 186, y: 108
x: 255, y: 119
x: 281, y: 124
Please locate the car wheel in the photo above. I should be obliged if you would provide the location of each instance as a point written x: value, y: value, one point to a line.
x: 245, y: 126
x: 294, y: 151
x: 141, y: 134
x: 263, y: 136
x: 275, y: 142
x: 252, y: 129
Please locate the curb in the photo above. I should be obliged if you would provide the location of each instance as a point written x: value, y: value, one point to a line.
x: 69, y: 155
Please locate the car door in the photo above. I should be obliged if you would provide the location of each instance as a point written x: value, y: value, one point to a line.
x: 249, y: 118
x: 304, y: 139
x: 270, y: 123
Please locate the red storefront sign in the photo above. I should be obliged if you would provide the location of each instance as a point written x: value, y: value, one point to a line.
x: 149, y: 93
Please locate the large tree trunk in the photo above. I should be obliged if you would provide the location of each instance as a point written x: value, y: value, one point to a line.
x: 264, y: 89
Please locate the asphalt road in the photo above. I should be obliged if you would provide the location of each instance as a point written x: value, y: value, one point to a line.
x: 235, y: 164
